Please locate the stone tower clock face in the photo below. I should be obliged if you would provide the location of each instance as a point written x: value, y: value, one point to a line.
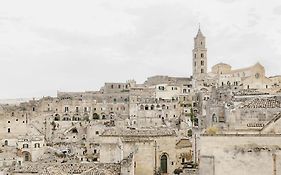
x: 257, y: 75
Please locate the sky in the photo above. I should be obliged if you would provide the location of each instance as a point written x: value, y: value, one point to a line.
x: 65, y: 45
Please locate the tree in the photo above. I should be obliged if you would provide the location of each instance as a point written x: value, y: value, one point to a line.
x: 189, y: 133
x: 178, y: 171
x: 192, y: 116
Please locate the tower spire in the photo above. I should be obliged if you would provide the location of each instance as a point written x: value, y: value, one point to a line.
x: 199, y: 33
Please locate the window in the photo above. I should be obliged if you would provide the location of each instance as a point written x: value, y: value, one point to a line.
x: 37, y: 145
x: 214, y: 118
x: 77, y: 109
x: 33, y: 108
x: 202, y: 55
x: 112, y: 86
x: 95, y: 151
x: 8, y: 121
x: 97, y: 132
x: 195, y: 55
x: 163, y: 163
x: 202, y: 63
x: 9, y: 130
x: 119, y: 86
x: 25, y: 145
x: 65, y: 109
x: 202, y: 70
x: 6, y: 142
x: 194, y: 63
x: 27, y: 156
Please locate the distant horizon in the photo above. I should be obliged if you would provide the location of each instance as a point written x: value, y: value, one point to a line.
x: 55, y: 92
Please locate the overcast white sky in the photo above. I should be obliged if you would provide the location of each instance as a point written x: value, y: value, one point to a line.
x: 79, y: 45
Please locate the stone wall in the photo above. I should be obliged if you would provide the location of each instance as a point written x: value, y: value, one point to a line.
x: 240, y: 154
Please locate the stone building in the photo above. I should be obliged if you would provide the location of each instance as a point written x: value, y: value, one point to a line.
x: 222, y: 119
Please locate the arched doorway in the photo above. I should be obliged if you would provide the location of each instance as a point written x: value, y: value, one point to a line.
x: 26, y: 156
x: 163, y: 163
x: 214, y: 118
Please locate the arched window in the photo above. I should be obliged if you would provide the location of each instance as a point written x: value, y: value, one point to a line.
x: 103, y: 116
x: 6, y: 142
x: 27, y: 156
x: 57, y: 117
x: 146, y: 107
x: 214, y: 118
x: 164, y: 163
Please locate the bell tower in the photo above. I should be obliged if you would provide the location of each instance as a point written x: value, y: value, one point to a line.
x: 199, y: 57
